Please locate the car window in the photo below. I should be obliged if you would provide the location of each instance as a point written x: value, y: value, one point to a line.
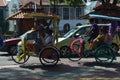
x: 82, y: 30
x: 68, y: 34
x: 23, y: 35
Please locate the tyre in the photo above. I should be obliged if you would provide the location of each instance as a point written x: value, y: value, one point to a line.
x: 49, y: 56
x: 64, y: 51
x: 73, y: 55
x: 115, y: 48
x: 15, y: 58
x: 104, y: 55
x: 12, y: 50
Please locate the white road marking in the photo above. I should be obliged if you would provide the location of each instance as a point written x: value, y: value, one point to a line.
x: 9, y: 66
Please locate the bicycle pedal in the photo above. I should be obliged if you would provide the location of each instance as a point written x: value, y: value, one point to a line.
x: 18, y: 59
x: 86, y: 56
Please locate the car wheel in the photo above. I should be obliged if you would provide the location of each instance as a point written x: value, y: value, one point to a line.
x: 12, y: 50
x: 64, y: 51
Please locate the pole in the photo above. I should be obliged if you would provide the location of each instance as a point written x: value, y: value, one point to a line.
x: 41, y: 2
x: 54, y: 9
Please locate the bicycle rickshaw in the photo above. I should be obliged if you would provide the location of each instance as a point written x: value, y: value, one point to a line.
x: 104, y: 53
x: 48, y: 55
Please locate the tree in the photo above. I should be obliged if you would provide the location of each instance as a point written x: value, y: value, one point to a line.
x: 114, y: 2
x: 72, y: 3
x: 78, y: 3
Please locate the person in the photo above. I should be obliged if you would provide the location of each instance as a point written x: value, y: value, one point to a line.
x: 93, y: 32
x: 49, y: 38
x: 101, y: 38
x: 45, y: 38
x: 1, y: 42
x: 112, y: 30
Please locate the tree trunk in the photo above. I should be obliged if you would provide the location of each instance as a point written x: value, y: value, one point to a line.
x: 115, y: 2
x: 103, y: 1
x: 108, y: 1
x: 41, y: 2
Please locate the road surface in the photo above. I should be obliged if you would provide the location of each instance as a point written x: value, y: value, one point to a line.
x: 64, y: 70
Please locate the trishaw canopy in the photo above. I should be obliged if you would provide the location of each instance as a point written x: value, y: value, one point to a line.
x: 55, y: 20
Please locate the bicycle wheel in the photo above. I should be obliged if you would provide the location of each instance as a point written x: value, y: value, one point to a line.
x: 49, y: 56
x: 104, y: 55
x: 19, y: 60
x: 73, y: 55
x: 115, y: 48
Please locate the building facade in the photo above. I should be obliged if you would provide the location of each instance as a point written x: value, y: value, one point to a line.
x: 69, y: 15
x: 13, y: 6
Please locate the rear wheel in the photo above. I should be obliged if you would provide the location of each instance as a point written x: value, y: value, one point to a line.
x: 49, y: 56
x: 104, y: 55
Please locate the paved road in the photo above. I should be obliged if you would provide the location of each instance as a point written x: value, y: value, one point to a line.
x: 64, y: 70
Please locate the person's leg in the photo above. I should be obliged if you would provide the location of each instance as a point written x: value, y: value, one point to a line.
x: 38, y: 45
x: 93, y: 44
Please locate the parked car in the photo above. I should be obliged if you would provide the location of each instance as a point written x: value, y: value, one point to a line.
x: 10, y: 45
x: 64, y: 42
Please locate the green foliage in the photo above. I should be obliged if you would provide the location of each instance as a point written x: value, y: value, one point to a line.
x: 118, y: 1
x: 72, y: 3
x: 4, y: 26
x: 78, y: 3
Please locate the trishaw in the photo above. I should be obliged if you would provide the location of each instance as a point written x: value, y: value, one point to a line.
x: 49, y: 54
x: 104, y: 53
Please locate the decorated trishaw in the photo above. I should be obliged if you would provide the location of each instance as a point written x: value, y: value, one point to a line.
x: 48, y: 54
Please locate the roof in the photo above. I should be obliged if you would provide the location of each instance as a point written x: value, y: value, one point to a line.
x: 105, y: 9
x: 3, y: 3
x: 27, y: 11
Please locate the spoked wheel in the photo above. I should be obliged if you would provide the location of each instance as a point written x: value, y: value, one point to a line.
x: 115, y: 48
x: 18, y: 60
x: 73, y: 55
x: 49, y: 56
x: 64, y: 51
x: 104, y: 55
x: 12, y: 50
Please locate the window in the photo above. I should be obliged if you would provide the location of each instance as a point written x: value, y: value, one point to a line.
x: 47, y: 9
x: 51, y: 10
x: 72, y: 13
x: 66, y: 28
x: 59, y: 11
x: 65, y: 13
x: 78, y: 12
x: 83, y: 30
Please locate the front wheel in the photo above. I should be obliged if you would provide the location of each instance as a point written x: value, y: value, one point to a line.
x: 74, y: 54
x: 49, y: 56
x: 12, y: 50
x: 64, y: 51
x: 20, y: 57
x: 104, y: 55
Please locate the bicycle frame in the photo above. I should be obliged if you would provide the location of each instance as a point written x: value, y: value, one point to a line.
x: 82, y: 46
x: 103, y: 54
x: 25, y: 49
